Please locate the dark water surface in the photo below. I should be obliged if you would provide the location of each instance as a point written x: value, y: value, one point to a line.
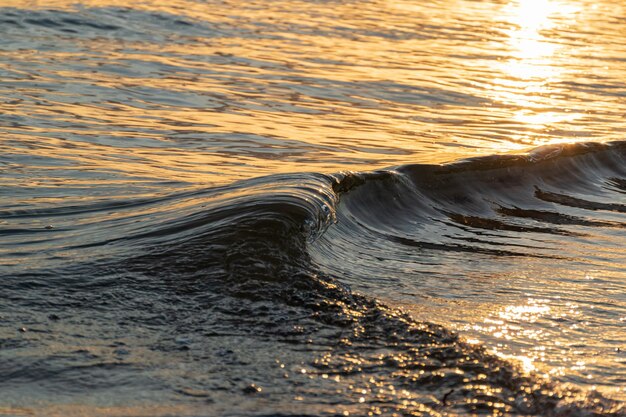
x: 312, y: 208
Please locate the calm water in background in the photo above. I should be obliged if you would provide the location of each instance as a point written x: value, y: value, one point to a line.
x: 122, y: 124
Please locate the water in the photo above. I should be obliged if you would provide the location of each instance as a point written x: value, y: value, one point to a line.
x: 219, y: 207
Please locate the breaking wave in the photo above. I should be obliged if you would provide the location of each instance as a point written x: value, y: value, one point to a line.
x: 257, y: 275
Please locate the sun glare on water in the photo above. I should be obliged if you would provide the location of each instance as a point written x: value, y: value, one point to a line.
x: 533, y: 65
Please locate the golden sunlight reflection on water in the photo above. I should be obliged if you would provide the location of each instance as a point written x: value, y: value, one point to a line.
x: 534, y: 65
x: 266, y: 90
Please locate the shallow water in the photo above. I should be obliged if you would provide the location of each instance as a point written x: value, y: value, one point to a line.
x: 205, y: 195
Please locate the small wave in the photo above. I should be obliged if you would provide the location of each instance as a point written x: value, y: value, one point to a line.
x: 511, y: 197
x: 260, y: 270
x: 430, y: 235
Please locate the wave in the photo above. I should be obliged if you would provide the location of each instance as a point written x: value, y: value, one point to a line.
x: 272, y: 259
x: 504, y: 205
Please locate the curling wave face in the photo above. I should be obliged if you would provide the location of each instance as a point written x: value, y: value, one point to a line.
x: 236, y: 299
x: 524, y: 252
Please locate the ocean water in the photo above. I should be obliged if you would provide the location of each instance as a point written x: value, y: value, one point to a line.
x: 320, y: 208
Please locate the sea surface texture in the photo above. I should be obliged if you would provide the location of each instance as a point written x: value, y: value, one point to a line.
x: 312, y: 208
